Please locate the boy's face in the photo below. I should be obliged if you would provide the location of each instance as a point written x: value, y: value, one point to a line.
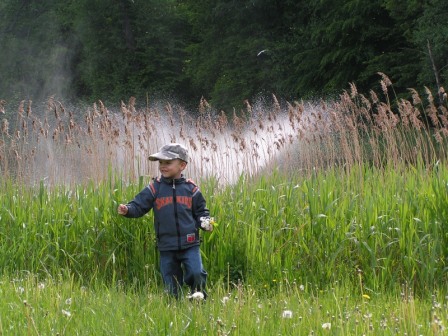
x: 172, y: 169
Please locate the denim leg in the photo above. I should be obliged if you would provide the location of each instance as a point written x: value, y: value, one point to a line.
x: 195, y: 275
x: 170, y: 267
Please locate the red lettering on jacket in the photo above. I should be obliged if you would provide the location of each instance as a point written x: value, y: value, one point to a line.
x: 187, y: 201
x: 163, y: 201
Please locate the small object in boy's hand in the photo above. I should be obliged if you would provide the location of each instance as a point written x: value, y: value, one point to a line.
x: 207, y: 223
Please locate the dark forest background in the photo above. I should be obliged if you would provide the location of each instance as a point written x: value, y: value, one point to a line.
x: 225, y: 51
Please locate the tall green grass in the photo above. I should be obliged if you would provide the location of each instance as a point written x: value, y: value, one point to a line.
x: 383, y: 227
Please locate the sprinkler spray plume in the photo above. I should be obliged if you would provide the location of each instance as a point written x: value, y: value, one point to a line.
x: 299, y: 136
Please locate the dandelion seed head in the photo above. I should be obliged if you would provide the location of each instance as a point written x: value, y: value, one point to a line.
x: 66, y: 313
x: 198, y: 296
x: 326, y: 325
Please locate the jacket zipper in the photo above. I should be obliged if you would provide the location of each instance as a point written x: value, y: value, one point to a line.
x: 176, y: 217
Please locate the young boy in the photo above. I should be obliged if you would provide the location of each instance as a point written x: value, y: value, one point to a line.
x: 178, y: 206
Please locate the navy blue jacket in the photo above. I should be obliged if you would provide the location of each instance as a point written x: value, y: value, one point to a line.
x: 177, y: 204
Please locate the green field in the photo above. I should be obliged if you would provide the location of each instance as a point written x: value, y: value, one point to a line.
x: 330, y: 223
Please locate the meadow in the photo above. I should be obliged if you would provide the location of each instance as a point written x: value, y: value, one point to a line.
x: 331, y: 218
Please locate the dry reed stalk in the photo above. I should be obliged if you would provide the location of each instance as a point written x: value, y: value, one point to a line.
x: 5, y: 127
x: 2, y: 106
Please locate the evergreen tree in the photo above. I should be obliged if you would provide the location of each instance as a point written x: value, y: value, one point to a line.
x: 401, y: 61
x: 431, y: 38
x: 130, y: 47
x: 232, y: 55
x: 342, y: 42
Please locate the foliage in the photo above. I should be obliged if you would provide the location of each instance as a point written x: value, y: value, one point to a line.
x: 140, y: 49
x: 225, y: 51
x: 227, y: 63
x: 431, y: 35
x: 337, y: 46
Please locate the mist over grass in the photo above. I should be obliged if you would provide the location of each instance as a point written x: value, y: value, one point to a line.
x: 40, y: 69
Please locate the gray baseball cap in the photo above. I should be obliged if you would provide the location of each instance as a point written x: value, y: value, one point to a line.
x: 171, y: 152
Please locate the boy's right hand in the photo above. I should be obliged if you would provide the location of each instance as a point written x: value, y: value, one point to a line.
x: 122, y: 209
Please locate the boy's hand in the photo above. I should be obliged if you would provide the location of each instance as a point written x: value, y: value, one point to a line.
x: 122, y: 209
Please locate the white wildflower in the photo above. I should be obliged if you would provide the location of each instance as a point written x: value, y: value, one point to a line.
x: 41, y: 285
x: 302, y: 287
x: 68, y: 301
x: 287, y: 314
x: 225, y: 299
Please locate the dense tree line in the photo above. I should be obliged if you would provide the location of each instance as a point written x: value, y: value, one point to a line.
x: 224, y: 50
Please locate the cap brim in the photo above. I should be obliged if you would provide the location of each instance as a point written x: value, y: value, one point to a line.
x: 160, y: 156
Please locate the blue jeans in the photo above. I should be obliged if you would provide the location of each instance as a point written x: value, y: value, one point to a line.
x: 183, y: 267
